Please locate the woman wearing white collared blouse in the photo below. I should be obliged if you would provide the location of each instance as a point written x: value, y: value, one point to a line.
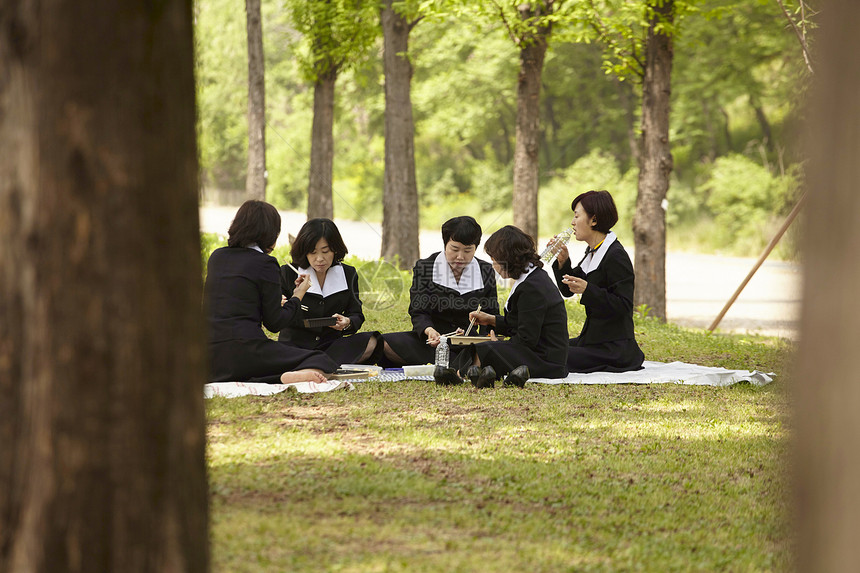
x: 446, y: 286
x: 318, y: 252
x: 604, y: 278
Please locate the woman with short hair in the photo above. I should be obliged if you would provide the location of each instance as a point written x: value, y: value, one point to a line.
x: 242, y: 294
x: 605, y: 280
x: 446, y: 286
x: 535, y: 319
x: 318, y: 253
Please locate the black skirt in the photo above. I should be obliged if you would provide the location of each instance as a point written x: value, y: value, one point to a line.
x: 412, y: 348
x: 261, y: 360
x: 504, y: 356
x: 613, y: 356
x: 349, y: 349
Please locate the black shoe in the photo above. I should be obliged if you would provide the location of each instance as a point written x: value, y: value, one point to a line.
x: 473, y: 373
x: 487, y: 379
x: 518, y: 377
x: 445, y: 376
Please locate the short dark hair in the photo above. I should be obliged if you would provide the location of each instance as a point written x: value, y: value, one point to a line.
x: 463, y: 229
x: 513, y: 249
x: 308, y: 237
x: 601, y: 206
x: 256, y: 223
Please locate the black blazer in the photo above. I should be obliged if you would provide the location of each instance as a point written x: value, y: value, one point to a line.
x: 345, y: 302
x: 535, y: 316
x: 443, y: 308
x: 243, y: 292
x: 608, y: 298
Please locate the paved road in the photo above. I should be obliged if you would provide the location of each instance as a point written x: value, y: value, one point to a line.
x: 698, y: 286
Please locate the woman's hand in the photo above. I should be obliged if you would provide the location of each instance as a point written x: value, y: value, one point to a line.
x: 482, y: 317
x: 283, y: 300
x: 432, y: 336
x: 343, y: 322
x: 303, y: 283
x: 576, y: 286
x: 493, y: 336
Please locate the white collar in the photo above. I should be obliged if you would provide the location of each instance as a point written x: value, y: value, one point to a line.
x: 470, y: 280
x: 255, y: 247
x: 531, y: 268
x: 335, y: 280
x: 593, y: 260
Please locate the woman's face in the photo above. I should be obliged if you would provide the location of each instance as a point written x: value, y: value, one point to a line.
x: 500, y: 268
x: 322, y: 257
x: 459, y: 255
x: 582, y: 224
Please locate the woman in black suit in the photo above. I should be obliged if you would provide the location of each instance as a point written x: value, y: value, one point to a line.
x: 446, y: 286
x: 535, y: 319
x: 604, y: 277
x: 242, y: 293
x: 318, y: 252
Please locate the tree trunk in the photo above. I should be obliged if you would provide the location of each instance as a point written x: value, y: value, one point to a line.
x: 827, y: 428
x: 655, y: 165
x: 322, y: 147
x: 255, y: 183
x: 400, y: 191
x: 102, y: 341
x: 761, y: 117
x: 526, y: 160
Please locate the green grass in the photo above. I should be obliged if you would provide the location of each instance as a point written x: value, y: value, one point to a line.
x: 414, y: 477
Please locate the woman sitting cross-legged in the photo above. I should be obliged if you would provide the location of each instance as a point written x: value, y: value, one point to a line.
x: 242, y: 293
x: 318, y: 252
x: 604, y: 277
x: 535, y: 319
x: 446, y: 286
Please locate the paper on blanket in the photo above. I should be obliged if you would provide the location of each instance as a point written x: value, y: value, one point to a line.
x: 667, y: 373
x: 236, y: 389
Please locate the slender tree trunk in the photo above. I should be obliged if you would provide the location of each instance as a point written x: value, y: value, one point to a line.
x: 320, y: 202
x: 761, y: 117
x: 655, y: 165
x: 526, y: 158
x: 727, y: 132
x: 626, y: 98
x: 255, y: 184
x: 827, y: 428
x: 102, y: 342
x: 400, y: 191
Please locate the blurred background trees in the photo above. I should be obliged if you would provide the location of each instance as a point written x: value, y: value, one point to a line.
x: 738, y: 80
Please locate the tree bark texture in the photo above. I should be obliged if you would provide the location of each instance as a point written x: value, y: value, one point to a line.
x: 255, y: 182
x: 400, y: 190
x: 655, y: 165
x: 102, y: 341
x: 827, y: 393
x: 527, y: 147
x: 320, y: 203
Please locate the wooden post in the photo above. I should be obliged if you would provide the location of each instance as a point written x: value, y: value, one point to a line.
x: 761, y: 259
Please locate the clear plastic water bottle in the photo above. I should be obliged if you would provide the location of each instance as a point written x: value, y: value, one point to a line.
x: 442, y: 352
x: 552, y: 248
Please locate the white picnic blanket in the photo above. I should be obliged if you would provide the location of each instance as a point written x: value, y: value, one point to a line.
x: 235, y: 389
x: 667, y: 373
x: 651, y: 373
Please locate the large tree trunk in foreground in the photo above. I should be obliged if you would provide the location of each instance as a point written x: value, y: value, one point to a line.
x: 320, y: 202
x: 655, y: 165
x: 255, y: 183
x: 827, y: 429
x: 102, y: 345
x: 400, y: 191
x: 526, y: 150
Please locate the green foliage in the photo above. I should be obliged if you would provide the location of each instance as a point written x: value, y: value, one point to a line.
x: 737, y: 70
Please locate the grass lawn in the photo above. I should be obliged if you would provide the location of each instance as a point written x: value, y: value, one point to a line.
x: 414, y: 477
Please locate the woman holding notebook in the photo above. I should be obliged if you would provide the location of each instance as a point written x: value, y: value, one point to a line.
x: 331, y: 311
